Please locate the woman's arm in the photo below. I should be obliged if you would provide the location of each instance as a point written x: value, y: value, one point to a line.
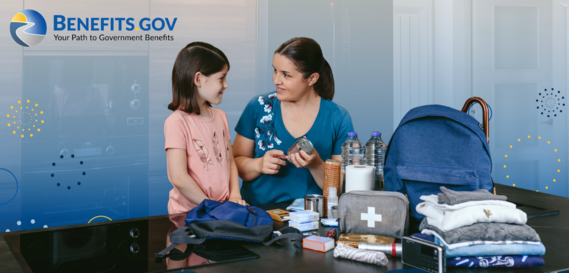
x: 314, y: 164
x: 177, y: 167
x: 250, y: 168
x: 247, y: 166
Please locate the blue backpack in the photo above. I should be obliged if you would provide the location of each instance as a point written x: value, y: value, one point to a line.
x: 213, y: 220
x: 435, y: 146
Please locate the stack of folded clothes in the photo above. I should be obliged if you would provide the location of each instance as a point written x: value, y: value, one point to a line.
x: 479, y: 229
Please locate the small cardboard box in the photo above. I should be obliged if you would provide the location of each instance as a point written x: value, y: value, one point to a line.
x: 303, y: 226
x: 279, y: 214
x: 305, y: 216
x: 318, y: 243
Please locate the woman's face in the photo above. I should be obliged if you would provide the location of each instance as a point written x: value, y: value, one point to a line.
x: 212, y: 86
x: 290, y: 83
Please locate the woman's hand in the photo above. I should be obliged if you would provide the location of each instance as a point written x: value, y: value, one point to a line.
x: 271, y: 162
x: 304, y: 160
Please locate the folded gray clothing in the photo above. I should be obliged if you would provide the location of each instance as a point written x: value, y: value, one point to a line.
x: 451, y: 197
x: 485, y: 232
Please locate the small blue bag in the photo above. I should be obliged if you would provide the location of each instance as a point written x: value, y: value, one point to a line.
x: 228, y: 221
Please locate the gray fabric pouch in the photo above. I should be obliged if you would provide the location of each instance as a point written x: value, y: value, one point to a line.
x: 374, y: 212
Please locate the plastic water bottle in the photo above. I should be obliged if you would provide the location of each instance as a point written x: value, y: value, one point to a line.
x: 375, y: 156
x: 352, y: 152
x: 332, y: 201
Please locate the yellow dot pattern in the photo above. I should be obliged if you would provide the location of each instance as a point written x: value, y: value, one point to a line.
x: 22, y: 117
x: 555, y: 150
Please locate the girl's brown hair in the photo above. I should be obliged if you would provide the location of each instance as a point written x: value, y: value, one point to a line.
x: 195, y: 57
x: 306, y: 54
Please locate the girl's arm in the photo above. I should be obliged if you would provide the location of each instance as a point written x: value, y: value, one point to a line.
x: 234, y: 191
x: 177, y: 167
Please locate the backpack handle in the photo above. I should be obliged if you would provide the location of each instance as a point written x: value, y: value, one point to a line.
x: 485, y: 118
x: 485, y: 122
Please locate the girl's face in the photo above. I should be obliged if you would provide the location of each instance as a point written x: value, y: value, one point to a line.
x: 290, y: 83
x: 210, y: 88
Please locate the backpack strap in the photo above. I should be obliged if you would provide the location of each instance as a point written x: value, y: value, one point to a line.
x: 185, y: 235
x: 182, y: 235
x: 287, y: 233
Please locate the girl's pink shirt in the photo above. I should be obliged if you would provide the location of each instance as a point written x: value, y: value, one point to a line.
x: 207, y: 149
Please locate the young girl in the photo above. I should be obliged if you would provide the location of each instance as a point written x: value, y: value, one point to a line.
x: 198, y: 148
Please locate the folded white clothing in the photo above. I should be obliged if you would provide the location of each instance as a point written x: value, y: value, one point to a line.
x: 434, y: 200
x: 470, y: 243
x: 446, y: 220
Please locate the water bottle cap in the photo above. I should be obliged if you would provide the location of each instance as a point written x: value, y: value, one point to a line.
x: 375, y: 133
x: 352, y: 134
x: 332, y: 192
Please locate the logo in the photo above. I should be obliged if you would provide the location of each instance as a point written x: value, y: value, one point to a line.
x: 28, y: 28
x: 488, y: 213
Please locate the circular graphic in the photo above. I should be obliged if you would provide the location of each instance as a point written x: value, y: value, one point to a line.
x: 6, y: 176
x: 550, y: 103
x: 28, y: 27
x: 548, y: 148
x: 20, y: 114
x: 100, y: 216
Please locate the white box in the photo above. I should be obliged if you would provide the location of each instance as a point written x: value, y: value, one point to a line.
x: 318, y: 243
x: 305, y: 216
x: 303, y: 226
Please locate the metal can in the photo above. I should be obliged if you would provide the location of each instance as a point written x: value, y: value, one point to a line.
x: 301, y: 144
x: 314, y: 202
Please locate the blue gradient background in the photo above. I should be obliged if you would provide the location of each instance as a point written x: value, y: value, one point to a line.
x: 105, y: 102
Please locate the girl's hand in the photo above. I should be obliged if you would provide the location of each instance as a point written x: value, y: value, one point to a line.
x: 305, y: 160
x: 272, y: 161
x: 238, y: 201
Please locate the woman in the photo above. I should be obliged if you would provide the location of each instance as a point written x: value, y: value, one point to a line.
x: 301, y: 106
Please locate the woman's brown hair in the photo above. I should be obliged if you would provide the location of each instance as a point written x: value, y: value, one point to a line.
x: 306, y: 54
x: 193, y: 58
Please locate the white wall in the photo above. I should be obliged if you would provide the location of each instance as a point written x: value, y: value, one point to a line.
x: 461, y: 47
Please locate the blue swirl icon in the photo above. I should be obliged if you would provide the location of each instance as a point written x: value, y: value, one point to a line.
x: 28, y: 28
